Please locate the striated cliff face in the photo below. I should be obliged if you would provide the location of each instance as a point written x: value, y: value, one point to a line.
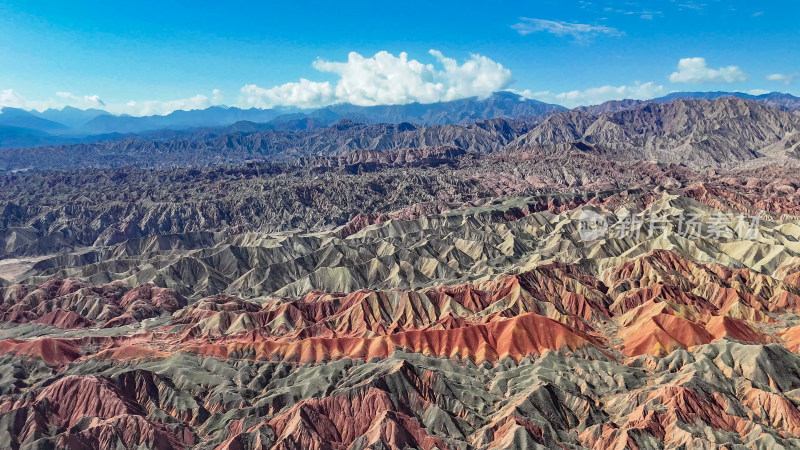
x: 492, y: 324
x: 656, y: 351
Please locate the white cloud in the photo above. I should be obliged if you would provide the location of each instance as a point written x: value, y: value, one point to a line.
x: 160, y: 108
x: 87, y: 101
x: 386, y: 79
x: 758, y: 92
x: 9, y: 97
x: 595, y: 96
x: 692, y: 5
x: 643, y: 14
x: 784, y: 78
x: 383, y: 79
x: 305, y: 94
x: 527, y: 25
x: 479, y: 76
x: 695, y: 70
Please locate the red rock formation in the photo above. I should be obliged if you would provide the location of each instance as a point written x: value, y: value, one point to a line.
x: 74, y: 303
x: 528, y: 334
x: 645, y: 308
x: 335, y: 422
x: 51, y: 351
x: 64, y: 319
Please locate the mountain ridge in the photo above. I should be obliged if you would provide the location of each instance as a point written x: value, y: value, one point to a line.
x: 726, y: 130
x: 701, y: 133
x: 72, y: 125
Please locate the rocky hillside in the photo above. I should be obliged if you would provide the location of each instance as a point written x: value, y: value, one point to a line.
x: 492, y: 325
x: 44, y: 212
x: 699, y: 133
x: 206, y: 148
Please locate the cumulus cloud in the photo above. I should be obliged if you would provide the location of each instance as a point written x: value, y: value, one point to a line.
x: 577, y: 31
x: 783, y: 78
x: 305, y: 94
x: 597, y: 95
x: 382, y: 79
x: 386, y: 79
x: 696, y: 71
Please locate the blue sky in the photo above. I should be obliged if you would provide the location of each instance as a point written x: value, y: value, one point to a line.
x: 149, y: 57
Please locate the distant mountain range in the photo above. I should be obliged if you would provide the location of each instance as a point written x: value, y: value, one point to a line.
x: 778, y: 100
x: 20, y: 128
x: 70, y: 117
x: 19, y: 118
x: 699, y: 133
x: 72, y: 125
x: 696, y: 132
